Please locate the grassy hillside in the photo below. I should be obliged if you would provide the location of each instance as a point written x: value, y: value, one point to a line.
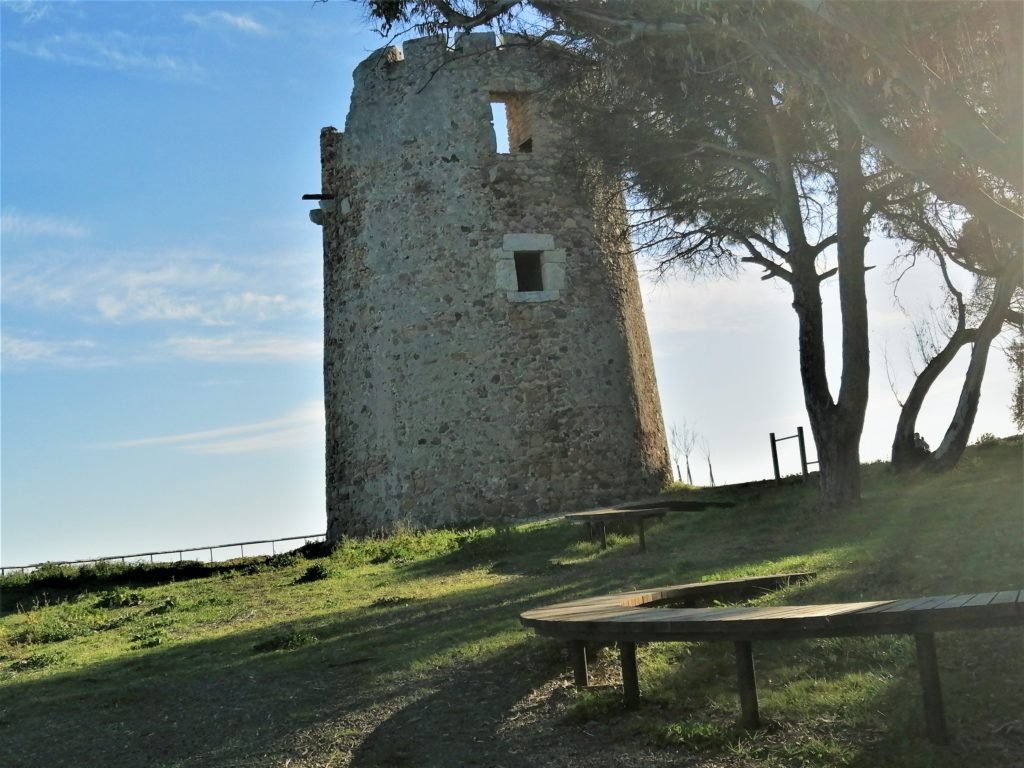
x: 408, y: 652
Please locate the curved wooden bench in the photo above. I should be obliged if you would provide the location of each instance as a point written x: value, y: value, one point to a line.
x: 569, y: 620
x: 625, y: 620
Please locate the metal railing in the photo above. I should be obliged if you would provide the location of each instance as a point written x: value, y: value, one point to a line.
x: 179, y: 552
x: 804, y: 463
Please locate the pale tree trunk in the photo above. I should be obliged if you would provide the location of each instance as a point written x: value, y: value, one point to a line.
x: 952, y: 447
x: 905, y: 454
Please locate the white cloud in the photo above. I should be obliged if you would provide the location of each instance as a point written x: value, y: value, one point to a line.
x: 171, y: 287
x: 222, y: 19
x: 19, y: 351
x: 112, y: 51
x: 304, y: 426
x: 29, y: 10
x: 678, y: 305
x: 245, y: 347
x: 14, y: 223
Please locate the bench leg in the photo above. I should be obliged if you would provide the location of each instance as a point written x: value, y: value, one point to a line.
x: 643, y: 541
x: 604, y: 537
x: 630, y: 679
x: 928, y: 667
x: 578, y: 653
x: 749, y: 717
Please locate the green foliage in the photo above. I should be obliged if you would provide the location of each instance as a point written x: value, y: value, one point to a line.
x: 390, y: 601
x: 593, y: 706
x: 696, y: 735
x: 59, y: 623
x: 40, y: 660
x: 315, y: 572
x: 986, y: 439
x: 169, y: 603
x: 149, y: 638
x: 120, y: 598
x: 291, y: 640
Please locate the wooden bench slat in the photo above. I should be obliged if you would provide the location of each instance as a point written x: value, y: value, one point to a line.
x: 1003, y: 598
x: 983, y: 598
x: 954, y: 602
x: 914, y: 604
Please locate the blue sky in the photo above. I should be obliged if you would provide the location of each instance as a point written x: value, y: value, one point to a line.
x: 161, y: 300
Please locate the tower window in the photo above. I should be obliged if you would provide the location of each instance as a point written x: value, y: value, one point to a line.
x: 528, y: 271
x: 528, y: 268
x: 512, y: 117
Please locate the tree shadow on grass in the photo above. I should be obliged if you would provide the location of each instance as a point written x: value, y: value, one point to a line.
x: 219, y: 702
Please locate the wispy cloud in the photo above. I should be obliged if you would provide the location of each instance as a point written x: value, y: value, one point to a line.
x: 304, y: 426
x: 20, y: 352
x: 224, y: 20
x: 30, y: 11
x: 245, y: 347
x: 176, y: 287
x: 111, y: 51
x: 14, y: 223
x: 680, y: 306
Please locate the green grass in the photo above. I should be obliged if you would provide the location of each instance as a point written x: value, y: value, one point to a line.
x: 407, y: 650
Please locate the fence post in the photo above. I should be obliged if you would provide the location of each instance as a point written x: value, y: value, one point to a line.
x: 775, y: 457
x: 803, y: 450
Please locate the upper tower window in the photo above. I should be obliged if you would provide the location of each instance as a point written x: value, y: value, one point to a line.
x: 512, y: 117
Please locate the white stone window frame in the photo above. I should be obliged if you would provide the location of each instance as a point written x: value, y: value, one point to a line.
x: 552, y: 266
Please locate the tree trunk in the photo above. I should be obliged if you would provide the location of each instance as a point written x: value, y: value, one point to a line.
x: 952, y: 447
x: 836, y: 426
x: 838, y: 457
x: 906, y: 453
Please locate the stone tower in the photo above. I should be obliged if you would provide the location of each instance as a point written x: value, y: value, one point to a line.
x: 485, y: 351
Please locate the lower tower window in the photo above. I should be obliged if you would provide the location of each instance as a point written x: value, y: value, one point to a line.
x: 528, y: 267
x: 528, y: 271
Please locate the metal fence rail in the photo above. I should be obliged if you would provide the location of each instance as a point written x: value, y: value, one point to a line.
x: 179, y: 552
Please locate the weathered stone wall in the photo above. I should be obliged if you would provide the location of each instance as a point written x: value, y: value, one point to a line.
x: 451, y: 395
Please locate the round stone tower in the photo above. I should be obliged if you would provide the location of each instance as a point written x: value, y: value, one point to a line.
x: 485, y: 351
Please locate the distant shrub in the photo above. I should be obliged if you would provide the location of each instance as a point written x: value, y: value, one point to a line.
x: 986, y: 440
x: 289, y: 641
x: 119, y: 621
x: 38, y: 661
x: 149, y: 639
x: 283, y: 560
x: 389, y: 601
x: 165, y: 605
x: 405, y: 544
x: 120, y: 598
x: 315, y: 572
x: 56, y: 626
